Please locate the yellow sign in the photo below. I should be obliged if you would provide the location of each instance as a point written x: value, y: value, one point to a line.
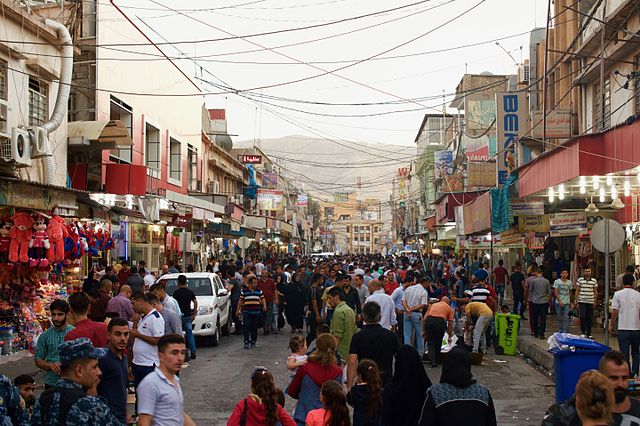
x: 536, y: 223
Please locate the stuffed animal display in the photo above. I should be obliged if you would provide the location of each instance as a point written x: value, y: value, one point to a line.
x: 20, y: 235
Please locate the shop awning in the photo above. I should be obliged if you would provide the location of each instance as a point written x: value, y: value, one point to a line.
x: 98, y: 134
x: 615, y: 150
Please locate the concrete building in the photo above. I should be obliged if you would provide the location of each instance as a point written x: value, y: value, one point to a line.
x: 31, y: 67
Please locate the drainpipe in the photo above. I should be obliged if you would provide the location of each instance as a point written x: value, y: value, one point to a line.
x: 64, y: 88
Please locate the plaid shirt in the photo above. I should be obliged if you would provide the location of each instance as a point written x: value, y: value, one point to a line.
x: 47, y: 350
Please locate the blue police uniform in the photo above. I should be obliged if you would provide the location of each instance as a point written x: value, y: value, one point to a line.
x: 11, y: 412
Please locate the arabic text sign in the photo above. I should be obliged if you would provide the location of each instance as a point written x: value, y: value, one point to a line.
x: 527, y: 207
x: 566, y: 224
x: 251, y: 159
x: 269, y: 199
x: 558, y: 124
x: 534, y: 223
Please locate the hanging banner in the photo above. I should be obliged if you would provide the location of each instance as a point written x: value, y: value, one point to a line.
x: 527, y: 207
x: 453, y: 183
x: 443, y: 161
x: 270, y: 199
x: 511, y: 236
x: 566, y: 224
x: 302, y: 200
x: 511, y: 123
x: 481, y: 175
x: 537, y: 223
x: 269, y: 180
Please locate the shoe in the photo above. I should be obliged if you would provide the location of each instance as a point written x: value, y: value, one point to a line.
x: 193, y: 356
x: 536, y: 336
x: 590, y: 337
x: 583, y: 335
x: 266, y: 333
x: 247, y: 346
x: 253, y: 345
x: 542, y: 337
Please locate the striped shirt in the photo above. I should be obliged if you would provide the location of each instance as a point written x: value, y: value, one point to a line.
x: 416, y: 295
x: 587, y: 290
x: 252, y: 300
x: 47, y: 350
x: 480, y: 294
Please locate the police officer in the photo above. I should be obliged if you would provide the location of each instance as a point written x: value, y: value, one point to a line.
x: 68, y: 403
x: 11, y: 412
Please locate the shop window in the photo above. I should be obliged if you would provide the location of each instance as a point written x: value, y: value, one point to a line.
x: 175, y: 159
x: 38, y: 102
x: 152, y: 149
x: 192, y: 159
x: 123, y: 112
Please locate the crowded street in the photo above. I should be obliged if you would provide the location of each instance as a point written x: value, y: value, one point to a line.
x: 319, y: 213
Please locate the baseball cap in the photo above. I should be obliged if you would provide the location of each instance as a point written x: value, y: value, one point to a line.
x: 79, y: 349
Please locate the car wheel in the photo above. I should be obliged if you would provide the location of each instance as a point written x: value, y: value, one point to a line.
x: 225, y: 327
x: 214, y: 339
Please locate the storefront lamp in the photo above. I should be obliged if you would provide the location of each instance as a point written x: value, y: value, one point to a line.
x: 609, y: 180
x: 595, y: 181
x: 551, y: 195
x: 614, y: 193
x: 561, y: 191
x: 627, y: 188
x: 602, y: 195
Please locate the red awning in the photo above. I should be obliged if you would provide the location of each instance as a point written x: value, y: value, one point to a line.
x: 615, y: 150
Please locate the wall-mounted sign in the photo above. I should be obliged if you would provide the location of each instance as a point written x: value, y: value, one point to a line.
x: 535, y: 223
x: 270, y: 199
x: 563, y: 224
x: 251, y: 159
x: 511, y: 123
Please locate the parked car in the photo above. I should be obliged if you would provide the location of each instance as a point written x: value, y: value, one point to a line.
x: 214, y: 306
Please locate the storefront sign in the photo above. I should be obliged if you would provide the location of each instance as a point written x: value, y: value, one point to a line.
x: 270, y: 199
x: 537, y: 223
x: 443, y: 161
x: 251, y: 159
x: 566, y: 224
x: 534, y: 242
x: 302, y: 200
x: 558, y: 124
x: 480, y: 154
x: 25, y: 196
x: 269, y: 180
x: 511, y: 236
x: 341, y: 197
x: 511, y: 121
x: 527, y: 207
x: 477, y: 215
x: 481, y: 175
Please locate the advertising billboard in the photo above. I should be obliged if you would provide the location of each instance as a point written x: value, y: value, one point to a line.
x: 443, y: 161
x: 270, y: 199
x: 511, y: 123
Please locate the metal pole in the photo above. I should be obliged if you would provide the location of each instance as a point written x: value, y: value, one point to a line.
x: 544, y: 78
x: 607, y: 267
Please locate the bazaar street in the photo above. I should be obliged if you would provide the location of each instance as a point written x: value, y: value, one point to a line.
x: 219, y: 378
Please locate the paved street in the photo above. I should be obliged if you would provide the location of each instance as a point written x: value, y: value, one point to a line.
x: 219, y: 377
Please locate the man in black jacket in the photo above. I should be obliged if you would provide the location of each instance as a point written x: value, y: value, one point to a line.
x: 626, y: 410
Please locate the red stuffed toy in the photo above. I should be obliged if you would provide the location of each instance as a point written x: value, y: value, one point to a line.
x: 57, y: 231
x: 20, y: 235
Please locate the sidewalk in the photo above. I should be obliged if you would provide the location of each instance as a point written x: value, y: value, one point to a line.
x: 22, y: 362
x: 537, y: 349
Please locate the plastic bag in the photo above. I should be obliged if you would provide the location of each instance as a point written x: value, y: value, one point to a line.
x: 446, y: 346
x: 568, y: 341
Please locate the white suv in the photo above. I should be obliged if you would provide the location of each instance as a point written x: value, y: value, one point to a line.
x: 214, y: 307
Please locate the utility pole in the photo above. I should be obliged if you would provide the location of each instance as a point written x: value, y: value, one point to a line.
x: 544, y: 78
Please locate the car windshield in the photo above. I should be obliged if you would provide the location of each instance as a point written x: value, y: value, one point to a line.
x: 200, y: 286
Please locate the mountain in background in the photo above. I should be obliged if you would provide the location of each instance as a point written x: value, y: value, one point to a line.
x: 323, y: 166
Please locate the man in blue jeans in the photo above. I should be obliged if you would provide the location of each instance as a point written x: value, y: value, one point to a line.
x: 185, y: 296
x: 625, y: 311
x: 415, y: 300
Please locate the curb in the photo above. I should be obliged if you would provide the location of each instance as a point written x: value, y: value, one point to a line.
x: 535, y: 352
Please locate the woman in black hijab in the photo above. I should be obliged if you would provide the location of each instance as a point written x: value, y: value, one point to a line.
x: 458, y: 399
x: 404, y: 396
x: 296, y: 298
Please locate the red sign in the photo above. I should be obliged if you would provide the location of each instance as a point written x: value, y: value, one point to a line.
x: 480, y: 154
x: 251, y: 159
x: 403, y: 172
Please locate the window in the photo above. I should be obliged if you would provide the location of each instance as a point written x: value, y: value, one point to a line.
x: 602, y: 106
x: 123, y: 112
x: 192, y: 160
x: 368, y: 237
x: 152, y: 149
x: 606, y: 110
x: 175, y: 159
x: 348, y: 229
x: 4, y: 106
x: 376, y: 241
x: 38, y: 102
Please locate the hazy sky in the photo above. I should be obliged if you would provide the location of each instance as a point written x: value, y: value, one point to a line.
x: 398, y: 80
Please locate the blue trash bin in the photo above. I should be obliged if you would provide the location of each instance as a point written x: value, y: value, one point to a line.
x: 569, y: 364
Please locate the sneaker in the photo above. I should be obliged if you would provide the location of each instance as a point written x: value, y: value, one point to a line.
x: 247, y: 346
x: 590, y: 337
x: 193, y: 356
x: 583, y: 335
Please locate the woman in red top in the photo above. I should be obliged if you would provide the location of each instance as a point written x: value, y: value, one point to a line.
x: 261, y: 406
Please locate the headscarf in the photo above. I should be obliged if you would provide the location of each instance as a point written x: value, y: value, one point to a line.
x: 456, y: 369
x: 410, y: 374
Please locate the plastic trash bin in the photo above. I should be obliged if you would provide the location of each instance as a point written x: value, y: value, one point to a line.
x: 569, y: 364
x: 507, y: 326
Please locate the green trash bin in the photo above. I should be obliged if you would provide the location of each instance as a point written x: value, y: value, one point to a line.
x: 507, y: 326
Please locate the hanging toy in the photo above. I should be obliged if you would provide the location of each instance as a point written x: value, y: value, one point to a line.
x: 5, y: 240
x: 20, y: 235
x: 57, y: 232
x: 39, y: 243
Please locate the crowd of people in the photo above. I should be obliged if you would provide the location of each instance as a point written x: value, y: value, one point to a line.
x: 360, y: 329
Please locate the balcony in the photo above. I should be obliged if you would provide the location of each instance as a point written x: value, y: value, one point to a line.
x: 153, y: 187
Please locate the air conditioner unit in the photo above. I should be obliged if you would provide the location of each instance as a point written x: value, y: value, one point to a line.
x: 213, y: 187
x: 40, y: 146
x: 524, y: 72
x: 18, y: 148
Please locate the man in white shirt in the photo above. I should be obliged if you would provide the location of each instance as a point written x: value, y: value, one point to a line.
x: 149, y: 280
x: 626, y: 311
x: 586, y: 297
x: 259, y: 267
x: 415, y: 300
x: 147, y: 332
x: 387, y: 309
